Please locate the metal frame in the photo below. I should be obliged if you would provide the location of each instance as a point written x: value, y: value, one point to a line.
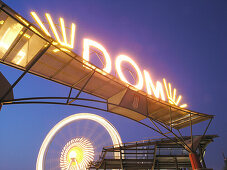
x: 144, y: 155
x: 33, y: 100
x: 157, y: 125
x: 50, y: 41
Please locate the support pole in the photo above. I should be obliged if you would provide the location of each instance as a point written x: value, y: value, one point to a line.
x: 191, y: 132
x: 122, y: 167
x: 91, y: 74
x: 154, y: 157
x: 201, y: 151
x: 176, y: 163
x: 194, y: 159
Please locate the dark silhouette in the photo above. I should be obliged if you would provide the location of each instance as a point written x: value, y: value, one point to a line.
x: 225, y: 161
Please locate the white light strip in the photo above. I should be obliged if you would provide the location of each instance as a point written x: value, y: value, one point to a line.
x: 40, y: 23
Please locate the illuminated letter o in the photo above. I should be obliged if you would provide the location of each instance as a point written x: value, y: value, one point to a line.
x: 118, y: 62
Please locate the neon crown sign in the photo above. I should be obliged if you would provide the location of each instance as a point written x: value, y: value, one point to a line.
x: 165, y: 93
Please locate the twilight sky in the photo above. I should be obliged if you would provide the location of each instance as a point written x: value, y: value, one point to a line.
x: 183, y: 41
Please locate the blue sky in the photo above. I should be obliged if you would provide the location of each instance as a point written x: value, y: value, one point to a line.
x: 183, y: 41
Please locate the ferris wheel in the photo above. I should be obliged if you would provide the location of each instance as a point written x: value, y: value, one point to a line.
x: 76, y: 142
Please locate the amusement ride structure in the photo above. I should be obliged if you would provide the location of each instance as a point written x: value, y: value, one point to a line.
x: 32, y: 49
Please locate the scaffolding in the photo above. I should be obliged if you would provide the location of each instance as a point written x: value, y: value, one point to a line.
x: 151, y: 154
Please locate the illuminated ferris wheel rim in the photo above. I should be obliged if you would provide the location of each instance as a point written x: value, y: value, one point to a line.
x: 116, y: 139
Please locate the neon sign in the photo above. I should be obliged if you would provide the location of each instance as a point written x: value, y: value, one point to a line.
x: 54, y: 30
x: 160, y: 90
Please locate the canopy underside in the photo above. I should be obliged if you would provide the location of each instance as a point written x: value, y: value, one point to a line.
x: 21, y: 42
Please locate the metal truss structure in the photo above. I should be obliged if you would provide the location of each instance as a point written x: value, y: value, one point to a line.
x: 67, y: 68
x: 151, y: 154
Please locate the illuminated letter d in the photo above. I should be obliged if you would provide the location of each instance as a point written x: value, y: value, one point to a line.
x: 86, y: 53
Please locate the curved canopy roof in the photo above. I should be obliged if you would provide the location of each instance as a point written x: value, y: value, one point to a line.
x: 22, y: 44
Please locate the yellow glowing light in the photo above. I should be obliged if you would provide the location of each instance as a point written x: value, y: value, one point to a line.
x: 172, y: 97
x: 77, y: 154
x: 62, y: 24
x: 23, y: 20
x: 174, y: 94
x: 36, y: 31
x: 4, y: 40
x: 118, y: 62
x: 10, y: 34
x: 183, y: 105
x: 40, y: 23
x: 21, y: 55
x: 2, y: 22
x: 49, y: 19
x: 157, y: 91
x: 27, y: 36
x: 66, y: 50
x: 54, y: 43
x: 63, y: 49
x: 86, y: 53
x: 54, y: 30
x: 73, y: 31
x: 170, y: 90
x: 56, y: 50
x: 116, y: 139
x: 178, y: 100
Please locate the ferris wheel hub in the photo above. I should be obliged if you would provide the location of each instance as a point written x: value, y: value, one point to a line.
x: 78, y: 153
